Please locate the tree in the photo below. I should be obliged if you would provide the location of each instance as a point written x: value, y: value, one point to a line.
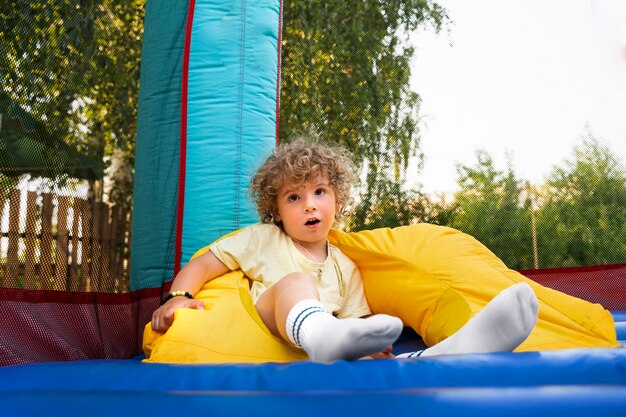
x: 74, y: 66
x: 583, y: 218
x: 345, y: 76
x: 386, y: 205
x: 491, y: 208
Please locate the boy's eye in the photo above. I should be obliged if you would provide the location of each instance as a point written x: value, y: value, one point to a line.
x: 320, y: 191
x: 293, y: 197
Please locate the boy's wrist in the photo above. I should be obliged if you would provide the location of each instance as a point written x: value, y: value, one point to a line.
x: 173, y: 294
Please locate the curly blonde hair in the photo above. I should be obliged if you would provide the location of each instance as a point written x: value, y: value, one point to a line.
x: 300, y: 162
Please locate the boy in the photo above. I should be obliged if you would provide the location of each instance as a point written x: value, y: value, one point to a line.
x: 307, y: 291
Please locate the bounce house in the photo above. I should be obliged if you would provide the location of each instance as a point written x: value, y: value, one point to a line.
x: 208, y: 115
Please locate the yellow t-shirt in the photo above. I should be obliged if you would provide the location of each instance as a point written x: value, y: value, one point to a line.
x: 266, y: 254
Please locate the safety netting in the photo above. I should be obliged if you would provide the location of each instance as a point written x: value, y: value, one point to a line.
x: 69, y: 75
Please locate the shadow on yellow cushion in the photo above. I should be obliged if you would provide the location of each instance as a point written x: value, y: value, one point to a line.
x: 434, y: 278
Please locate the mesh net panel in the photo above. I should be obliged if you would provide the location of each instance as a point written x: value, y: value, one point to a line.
x: 345, y: 78
x: 67, y: 113
x: 69, y: 80
x: 57, y: 325
x: 605, y: 285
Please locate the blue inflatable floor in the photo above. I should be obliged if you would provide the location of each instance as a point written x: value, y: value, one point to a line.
x: 577, y: 382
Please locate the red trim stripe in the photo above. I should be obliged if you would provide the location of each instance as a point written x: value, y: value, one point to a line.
x: 69, y: 297
x: 571, y: 269
x: 280, y: 43
x: 183, y: 141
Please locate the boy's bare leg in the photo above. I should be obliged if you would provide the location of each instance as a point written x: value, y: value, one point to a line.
x: 501, y: 326
x: 275, y: 304
x: 291, y: 309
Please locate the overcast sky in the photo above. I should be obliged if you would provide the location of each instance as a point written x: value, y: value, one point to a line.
x: 525, y: 77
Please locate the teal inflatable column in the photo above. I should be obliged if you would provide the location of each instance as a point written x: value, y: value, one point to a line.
x: 207, y: 119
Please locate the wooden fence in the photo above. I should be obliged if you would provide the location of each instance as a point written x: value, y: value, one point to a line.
x: 64, y: 243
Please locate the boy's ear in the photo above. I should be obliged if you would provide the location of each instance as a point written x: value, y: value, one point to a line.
x: 276, y: 216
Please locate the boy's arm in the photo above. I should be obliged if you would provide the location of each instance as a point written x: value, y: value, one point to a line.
x: 197, y: 272
x: 191, y: 279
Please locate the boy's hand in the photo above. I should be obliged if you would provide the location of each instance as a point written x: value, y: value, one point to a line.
x: 163, y: 317
x: 385, y: 354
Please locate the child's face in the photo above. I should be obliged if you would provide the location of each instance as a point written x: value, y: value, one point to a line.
x: 308, y: 210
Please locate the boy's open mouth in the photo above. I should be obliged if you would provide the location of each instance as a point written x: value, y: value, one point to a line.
x: 312, y: 222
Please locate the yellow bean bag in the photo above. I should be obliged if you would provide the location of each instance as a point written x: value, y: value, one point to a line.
x: 434, y: 278
x: 228, y: 330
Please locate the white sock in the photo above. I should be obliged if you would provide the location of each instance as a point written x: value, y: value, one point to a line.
x: 501, y: 326
x: 325, y: 338
x: 410, y: 354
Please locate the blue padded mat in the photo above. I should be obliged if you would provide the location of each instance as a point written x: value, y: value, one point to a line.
x: 568, y: 382
x: 570, y: 401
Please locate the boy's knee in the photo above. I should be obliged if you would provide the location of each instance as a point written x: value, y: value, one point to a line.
x: 294, y: 287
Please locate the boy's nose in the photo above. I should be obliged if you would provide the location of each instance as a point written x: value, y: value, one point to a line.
x: 309, y: 205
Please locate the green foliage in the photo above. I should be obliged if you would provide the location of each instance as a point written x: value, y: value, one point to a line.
x: 580, y: 212
x: 386, y: 205
x: 74, y: 66
x: 345, y: 76
x: 491, y: 208
x: 582, y: 220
